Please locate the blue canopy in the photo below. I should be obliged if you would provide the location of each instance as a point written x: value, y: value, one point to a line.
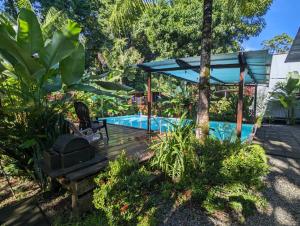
x: 225, y: 68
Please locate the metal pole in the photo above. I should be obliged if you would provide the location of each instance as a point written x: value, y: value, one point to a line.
x: 239, y: 118
x: 149, y: 102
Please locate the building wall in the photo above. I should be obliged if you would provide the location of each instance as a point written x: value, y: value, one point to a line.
x: 279, y: 72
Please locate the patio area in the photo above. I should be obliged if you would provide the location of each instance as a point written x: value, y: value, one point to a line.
x: 279, y: 140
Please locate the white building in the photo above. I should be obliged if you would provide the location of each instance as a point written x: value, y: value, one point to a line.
x: 279, y: 72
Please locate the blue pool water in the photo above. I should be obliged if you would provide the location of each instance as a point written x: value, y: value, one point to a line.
x: 221, y: 130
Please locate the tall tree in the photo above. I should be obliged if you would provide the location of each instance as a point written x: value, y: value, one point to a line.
x: 247, y: 8
x: 204, y: 87
x: 86, y: 13
x: 170, y: 31
x: 278, y: 44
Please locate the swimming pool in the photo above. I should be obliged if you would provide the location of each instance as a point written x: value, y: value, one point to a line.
x: 221, y: 130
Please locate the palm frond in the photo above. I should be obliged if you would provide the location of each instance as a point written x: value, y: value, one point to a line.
x: 125, y: 13
x: 53, y: 20
x: 24, y: 4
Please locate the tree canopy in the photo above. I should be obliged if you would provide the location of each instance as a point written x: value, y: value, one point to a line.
x: 278, y: 44
x: 155, y: 28
x: 173, y: 30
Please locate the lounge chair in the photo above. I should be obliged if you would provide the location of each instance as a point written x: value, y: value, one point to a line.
x: 88, y: 133
x: 85, y: 121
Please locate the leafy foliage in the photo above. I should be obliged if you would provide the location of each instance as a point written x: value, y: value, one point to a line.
x: 278, y: 44
x: 287, y: 94
x: 121, y: 192
x: 175, y: 153
x: 224, y: 109
x: 247, y: 166
x: 31, y: 116
x: 178, y: 99
x: 118, y: 61
x: 217, y: 176
x: 230, y: 162
x: 124, y: 14
x: 86, y: 13
x: 173, y: 30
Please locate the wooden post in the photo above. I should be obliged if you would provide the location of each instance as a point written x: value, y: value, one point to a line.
x: 255, y: 103
x: 149, y: 101
x: 239, y: 117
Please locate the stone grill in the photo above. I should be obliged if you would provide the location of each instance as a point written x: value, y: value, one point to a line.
x: 68, y: 150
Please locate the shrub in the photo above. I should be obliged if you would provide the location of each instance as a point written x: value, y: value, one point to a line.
x: 230, y: 173
x: 247, y: 166
x: 232, y: 162
x: 123, y: 193
x: 212, y: 154
x: 175, y: 153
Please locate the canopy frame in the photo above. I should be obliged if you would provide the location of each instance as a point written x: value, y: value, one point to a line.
x: 241, y: 58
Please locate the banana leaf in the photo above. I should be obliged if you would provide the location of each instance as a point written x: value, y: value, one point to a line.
x: 8, y: 22
x: 29, y: 35
x: 9, y: 45
x: 72, y: 67
x: 53, y: 84
x: 113, y: 86
x: 61, y: 46
x: 91, y: 89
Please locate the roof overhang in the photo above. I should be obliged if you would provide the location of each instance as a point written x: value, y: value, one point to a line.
x: 225, y: 68
x: 294, y: 53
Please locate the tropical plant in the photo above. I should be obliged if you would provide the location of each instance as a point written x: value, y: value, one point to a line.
x: 175, y: 152
x: 287, y: 94
x: 31, y: 70
x: 118, y: 61
x: 52, y: 20
x: 124, y: 14
x: 87, y: 14
x: 224, y: 109
x: 178, y: 100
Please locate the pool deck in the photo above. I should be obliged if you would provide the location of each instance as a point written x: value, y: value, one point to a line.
x: 133, y: 141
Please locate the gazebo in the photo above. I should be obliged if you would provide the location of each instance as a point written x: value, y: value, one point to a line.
x: 240, y: 69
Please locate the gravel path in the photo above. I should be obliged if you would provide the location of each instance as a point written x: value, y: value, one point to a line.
x: 282, y: 194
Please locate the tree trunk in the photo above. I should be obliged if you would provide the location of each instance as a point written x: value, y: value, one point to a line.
x: 202, y: 130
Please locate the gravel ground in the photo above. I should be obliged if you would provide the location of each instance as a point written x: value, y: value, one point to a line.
x: 282, y: 194
x: 192, y: 216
